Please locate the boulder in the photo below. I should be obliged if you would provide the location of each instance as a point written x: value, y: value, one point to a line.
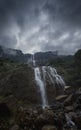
x: 24, y: 118
x: 68, y: 100
x: 61, y: 98
x: 49, y: 127
x: 47, y: 117
x: 77, y: 120
x: 79, y: 90
x: 11, y: 102
x: 59, y: 120
x: 56, y: 106
x: 67, y: 87
x: 5, y: 112
x: 15, y: 127
x: 69, y: 108
x: 4, y: 124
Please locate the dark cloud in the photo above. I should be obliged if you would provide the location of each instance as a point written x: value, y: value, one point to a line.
x: 41, y: 25
x: 68, y: 11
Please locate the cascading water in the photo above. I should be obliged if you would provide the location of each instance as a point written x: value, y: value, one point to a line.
x: 55, y: 77
x: 41, y: 83
x: 41, y: 75
x: 33, y: 59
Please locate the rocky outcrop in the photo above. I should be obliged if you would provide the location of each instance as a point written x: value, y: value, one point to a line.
x: 57, y: 117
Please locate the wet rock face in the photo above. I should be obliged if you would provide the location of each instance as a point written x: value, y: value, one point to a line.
x: 55, y: 84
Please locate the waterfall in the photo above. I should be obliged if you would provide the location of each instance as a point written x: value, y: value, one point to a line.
x: 41, y: 75
x: 41, y: 83
x: 33, y: 59
x: 55, y: 77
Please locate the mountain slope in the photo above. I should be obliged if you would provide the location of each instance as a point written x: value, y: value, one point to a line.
x: 13, y: 54
x: 18, y: 56
x: 17, y: 80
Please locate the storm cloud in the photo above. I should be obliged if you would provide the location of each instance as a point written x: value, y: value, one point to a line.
x: 41, y: 25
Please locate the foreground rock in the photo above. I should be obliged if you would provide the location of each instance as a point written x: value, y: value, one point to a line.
x: 5, y: 112
x: 15, y: 127
x: 61, y: 98
x: 49, y: 127
x: 64, y: 114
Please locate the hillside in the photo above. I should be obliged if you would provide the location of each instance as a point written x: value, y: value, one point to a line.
x: 15, y: 79
x: 18, y: 56
x: 14, y: 54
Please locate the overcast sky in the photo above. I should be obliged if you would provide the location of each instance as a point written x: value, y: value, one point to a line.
x: 41, y: 25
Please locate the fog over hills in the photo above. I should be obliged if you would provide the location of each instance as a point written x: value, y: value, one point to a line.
x: 18, y: 55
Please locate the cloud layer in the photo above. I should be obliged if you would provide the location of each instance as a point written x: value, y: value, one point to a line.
x: 41, y: 25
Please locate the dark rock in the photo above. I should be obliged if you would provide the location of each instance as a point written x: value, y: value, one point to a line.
x: 5, y: 112
x: 55, y: 106
x: 19, y: 81
x: 4, y: 124
x: 49, y: 127
x: 15, y: 127
x: 77, y: 119
x: 11, y: 102
x: 40, y: 122
x: 49, y: 115
x: 69, y: 108
x: 61, y: 98
x: 69, y: 100
x: 45, y: 118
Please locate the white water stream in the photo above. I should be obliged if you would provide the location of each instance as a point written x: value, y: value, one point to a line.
x: 40, y: 77
x: 41, y: 84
